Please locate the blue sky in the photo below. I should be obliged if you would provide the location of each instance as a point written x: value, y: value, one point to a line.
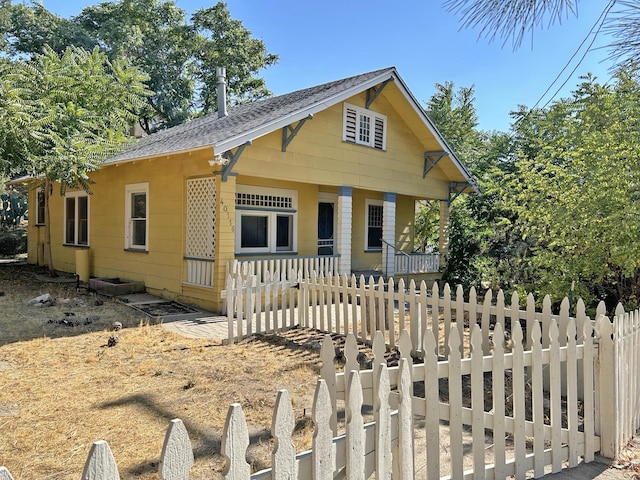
x: 327, y: 40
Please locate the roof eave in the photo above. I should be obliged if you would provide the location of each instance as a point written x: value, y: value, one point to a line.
x: 235, y: 141
x: 434, y: 131
x: 117, y: 162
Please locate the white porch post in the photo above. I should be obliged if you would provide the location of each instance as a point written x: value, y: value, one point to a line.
x: 344, y: 234
x: 443, y: 237
x: 388, y: 233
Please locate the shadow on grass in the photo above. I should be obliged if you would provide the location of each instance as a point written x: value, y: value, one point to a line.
x: 210, y: 439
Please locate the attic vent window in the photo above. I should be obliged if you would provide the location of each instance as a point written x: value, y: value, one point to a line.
x: 364, y: 127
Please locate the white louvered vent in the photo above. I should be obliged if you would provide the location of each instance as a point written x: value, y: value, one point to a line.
x: 364, y: 127
x: 349, y: 125
x: 379, y: 134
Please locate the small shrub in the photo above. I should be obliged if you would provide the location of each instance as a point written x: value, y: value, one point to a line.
x: 13, y: 242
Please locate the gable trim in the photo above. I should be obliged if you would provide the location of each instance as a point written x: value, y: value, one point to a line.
x: 269, y: 127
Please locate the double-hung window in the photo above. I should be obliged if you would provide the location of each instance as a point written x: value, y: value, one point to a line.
x: 40, y: 213
x: 364, y: 127
x: 76, y: 218
x: 136, y: 216
x: 265, y: 220
x: 373, y: 233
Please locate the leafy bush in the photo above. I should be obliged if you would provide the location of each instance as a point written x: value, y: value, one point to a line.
x: 13, y: 242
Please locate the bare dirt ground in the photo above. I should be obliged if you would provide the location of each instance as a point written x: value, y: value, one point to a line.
x: 62, y: 387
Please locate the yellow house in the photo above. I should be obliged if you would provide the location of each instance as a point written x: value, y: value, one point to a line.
x: 327, y: 177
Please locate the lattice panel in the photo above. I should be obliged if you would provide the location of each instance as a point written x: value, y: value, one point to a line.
x: 201, y: 217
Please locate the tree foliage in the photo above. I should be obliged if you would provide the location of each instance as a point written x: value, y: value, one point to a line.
x: 575, y: 189
x: 64, y: 114
x: 513, y: 20
x: 453, y: 112
x: 61, y: 115
x: 510, y: 20
x: 179, y: 56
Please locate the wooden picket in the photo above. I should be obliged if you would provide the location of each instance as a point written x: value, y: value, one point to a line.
x: 560, y: 360
x: 553, y: 443
x: 342, y: 305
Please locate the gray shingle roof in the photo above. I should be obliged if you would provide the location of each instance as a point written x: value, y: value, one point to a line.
x: 209, y: 130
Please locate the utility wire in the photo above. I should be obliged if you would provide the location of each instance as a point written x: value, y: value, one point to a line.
x: 599, y: 23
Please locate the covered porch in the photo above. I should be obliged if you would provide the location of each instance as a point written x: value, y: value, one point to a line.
x: 283, y: 227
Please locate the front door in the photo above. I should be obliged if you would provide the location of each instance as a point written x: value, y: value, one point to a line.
x: 326, y: 227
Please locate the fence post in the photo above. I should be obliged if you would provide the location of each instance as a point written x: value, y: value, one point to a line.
x: 606, y: 418
x: 100, y: 463
x: 4, y: 474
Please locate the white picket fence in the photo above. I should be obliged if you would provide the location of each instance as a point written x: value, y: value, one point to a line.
x: 455, y: 418
x: 539, y: 376
x: 384, y: 443
x: 342, y: 305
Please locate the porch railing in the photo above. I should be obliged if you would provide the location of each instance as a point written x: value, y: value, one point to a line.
x: 282, y: 267
x: 199, y: 272
x: 417, y: 262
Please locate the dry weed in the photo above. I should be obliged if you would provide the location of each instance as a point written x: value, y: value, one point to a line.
x: 59, y: 395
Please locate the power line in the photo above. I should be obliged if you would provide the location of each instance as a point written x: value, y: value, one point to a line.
x: 599, y: 23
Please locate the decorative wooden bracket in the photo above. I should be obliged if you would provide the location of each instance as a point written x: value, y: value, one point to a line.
x: 289, y: 132
x: 430, y: 160
x: 373, y: 92
x: 232, y: 159
x: 455, y: 189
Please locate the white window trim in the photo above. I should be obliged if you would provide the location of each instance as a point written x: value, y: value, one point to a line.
x: 76, y: 194
x: 373, y: 116
x: 368, y: 202
x: 272, y: 216
x: 130, y: 189
x: 41, y: 221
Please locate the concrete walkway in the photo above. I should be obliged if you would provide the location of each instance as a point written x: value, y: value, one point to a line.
x: 211, y: 327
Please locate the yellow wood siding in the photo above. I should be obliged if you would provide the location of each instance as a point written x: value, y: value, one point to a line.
x: 318, y: 155
x: 316, y: 160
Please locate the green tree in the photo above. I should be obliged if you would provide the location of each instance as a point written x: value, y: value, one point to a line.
x: 27, y: 29
x: 179, y: 56
x: 485, y: 247
x: 575, y: 189
x: 454, y: 114
x: 62, y: 115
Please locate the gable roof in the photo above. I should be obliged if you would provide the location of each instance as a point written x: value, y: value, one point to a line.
x: 246, y: 122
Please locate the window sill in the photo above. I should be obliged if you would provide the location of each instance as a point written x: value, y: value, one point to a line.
x: 74, y: 245
x: 264, y: 254
x: 365, y: 145
x: 372, y: 250
x: 136, y: 250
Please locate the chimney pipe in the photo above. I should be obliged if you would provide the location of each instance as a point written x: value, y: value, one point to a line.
x: 222, y: 91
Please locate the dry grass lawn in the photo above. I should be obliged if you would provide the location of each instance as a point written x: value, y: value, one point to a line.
x: 62, y: 388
